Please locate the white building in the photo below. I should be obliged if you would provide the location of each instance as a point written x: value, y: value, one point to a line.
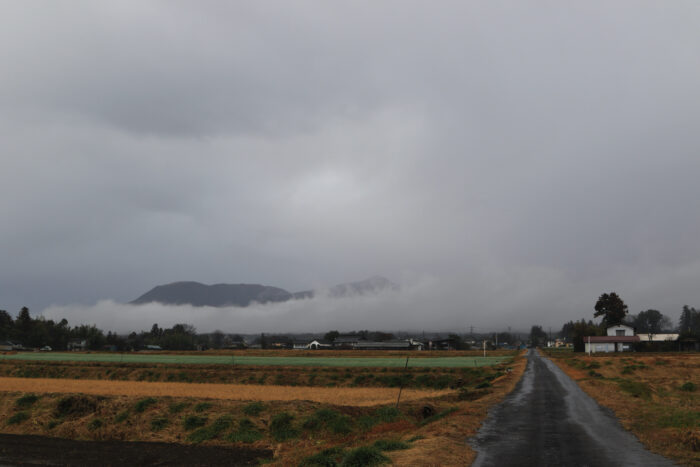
x: 658, y: 337
x: 619, y: 339
x: 620, y: 330
x: 317, y: 345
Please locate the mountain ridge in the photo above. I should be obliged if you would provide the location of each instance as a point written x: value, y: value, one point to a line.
x: 242, y: 295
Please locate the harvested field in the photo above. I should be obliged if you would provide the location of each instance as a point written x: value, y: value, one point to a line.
x: 306, y: 360
x: 417, y: 378
x: 429, y: 425
x: 337, y: 396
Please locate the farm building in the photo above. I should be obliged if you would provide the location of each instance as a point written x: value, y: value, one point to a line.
x: 318, y: 345
x: 236, y: 344
x: 610, y: 343
x: 558, y: 343
x: 442, y: 344
x: 408, y: 344
x: 619, y: 338
x: 346, y: 341
x: 622, y: 338
x: 620, y: 330
x: 6, y: 345
x: 659, y: 342
x: 658, y: 337
x: 300, y: 344
x: 77, y: 344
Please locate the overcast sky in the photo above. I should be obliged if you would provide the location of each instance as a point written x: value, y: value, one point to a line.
x: 505, y: 162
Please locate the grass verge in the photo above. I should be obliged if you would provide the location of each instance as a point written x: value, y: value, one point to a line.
x: 653, y: 395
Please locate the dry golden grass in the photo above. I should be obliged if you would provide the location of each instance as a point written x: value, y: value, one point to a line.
x: 336, y: 396
x: 664, y: 417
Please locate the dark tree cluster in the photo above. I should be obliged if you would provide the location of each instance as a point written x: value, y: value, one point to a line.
x: 40, y: 332
x: 374, y: 336
x: 575, y: 331
x: 651, y: 322
x: 538, y: 336
x: 506, y: 338
x: 689, y: 323
x: 457, y: 342
x: 179, y: 337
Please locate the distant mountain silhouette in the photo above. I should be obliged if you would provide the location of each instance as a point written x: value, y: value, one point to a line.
x: 194, y: 293
x: 220, y: 295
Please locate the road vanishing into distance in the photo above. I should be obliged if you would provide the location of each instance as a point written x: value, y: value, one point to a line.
x: 549, y: 421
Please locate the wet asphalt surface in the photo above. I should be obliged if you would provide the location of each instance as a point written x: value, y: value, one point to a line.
x: 549, y: 421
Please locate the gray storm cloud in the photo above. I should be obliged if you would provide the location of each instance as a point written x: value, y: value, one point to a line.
x: 526, y: 156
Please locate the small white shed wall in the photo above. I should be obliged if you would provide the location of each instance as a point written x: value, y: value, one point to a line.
x: 612, y: 330
x: 597, y: 347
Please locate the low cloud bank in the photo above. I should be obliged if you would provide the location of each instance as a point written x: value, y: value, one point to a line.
x: 490, y: 299
x: 410, y: 308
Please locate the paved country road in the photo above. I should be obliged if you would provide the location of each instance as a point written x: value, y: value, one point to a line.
x: 549, y: 421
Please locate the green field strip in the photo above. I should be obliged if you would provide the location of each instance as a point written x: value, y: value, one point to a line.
x: 374, y: 362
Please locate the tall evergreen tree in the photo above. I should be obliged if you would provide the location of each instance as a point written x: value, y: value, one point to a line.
x: 6, y: 325
x: 23, y: 326
x: 611, y: 308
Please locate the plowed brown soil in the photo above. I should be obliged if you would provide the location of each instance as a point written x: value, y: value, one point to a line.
x: 37, y: 451
x: 336, y: 396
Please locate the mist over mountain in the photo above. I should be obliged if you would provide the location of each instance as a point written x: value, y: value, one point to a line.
x: 170, y: 141
x: 242, y: 295
x: 374, y: 284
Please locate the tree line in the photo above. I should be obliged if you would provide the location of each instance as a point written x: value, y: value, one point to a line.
x: 35, y: 332
x: 39, y: 332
